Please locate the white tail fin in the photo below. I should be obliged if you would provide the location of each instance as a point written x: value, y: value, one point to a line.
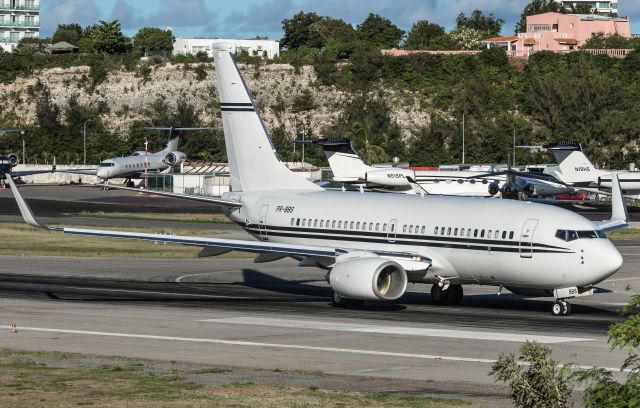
x: 172, y: 142
x: 345, y: 163
x: 253, y: 162
x: 575, y: 167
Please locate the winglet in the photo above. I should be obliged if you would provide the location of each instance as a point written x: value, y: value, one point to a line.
x: 27, y: 215
x: 619, y: 214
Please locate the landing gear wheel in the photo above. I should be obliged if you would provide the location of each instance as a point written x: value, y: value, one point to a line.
x: 130, y: 183
x: 339, y: 301
x: 439, y: 296
x: 455, y: 295
x: 561, y: 308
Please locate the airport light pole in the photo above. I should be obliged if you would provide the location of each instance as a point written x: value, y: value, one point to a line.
x: 84, y: 140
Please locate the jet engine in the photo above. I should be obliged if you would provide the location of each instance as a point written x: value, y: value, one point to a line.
x: 368, y: 278
x: 388, y: 177
x: 14, y: 159
x: 174, y: 158
x: 494, y: 188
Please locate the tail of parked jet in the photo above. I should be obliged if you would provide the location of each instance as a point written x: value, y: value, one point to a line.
x: 253, y: 161
x: 345, y: 163
x: 575, y: 168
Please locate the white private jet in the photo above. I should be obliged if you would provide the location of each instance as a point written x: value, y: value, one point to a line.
x: 575, y: 168
x: 374, y: 244
x: 349, y: 168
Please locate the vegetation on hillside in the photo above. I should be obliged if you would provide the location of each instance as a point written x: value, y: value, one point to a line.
x: 550, y: 97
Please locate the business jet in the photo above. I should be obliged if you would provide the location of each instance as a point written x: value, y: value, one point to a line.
x: 372, y: 244
x: 349, y: 168
x: 8, y: 162
x: 140, y: 162
x: 575, y: 168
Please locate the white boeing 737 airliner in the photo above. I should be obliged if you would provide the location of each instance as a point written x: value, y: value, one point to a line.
x: 374, y: 244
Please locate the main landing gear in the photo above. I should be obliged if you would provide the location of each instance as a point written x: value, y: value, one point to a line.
x: 452, y: 295
x: 339, y: 301
x: 561, y: 308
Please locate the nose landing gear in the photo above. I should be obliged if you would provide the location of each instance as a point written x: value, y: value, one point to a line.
x: 561, y: 308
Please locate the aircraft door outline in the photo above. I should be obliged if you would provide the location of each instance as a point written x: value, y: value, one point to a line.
x: 262, y: 222
x: 392, y: 230
x: 526, y: 238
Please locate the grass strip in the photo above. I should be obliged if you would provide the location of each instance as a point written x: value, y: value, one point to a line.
x: 50, y: 379
x: 28, y: 241
x: 185, y: 217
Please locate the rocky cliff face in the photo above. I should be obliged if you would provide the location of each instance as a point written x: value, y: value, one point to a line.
x: 275, y: 87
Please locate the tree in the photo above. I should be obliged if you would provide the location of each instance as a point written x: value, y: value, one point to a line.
x: 582, y: 8
x: 604, y: 390
x: 599, y: 40
x: 536, y: 7
x: 487, y: 26
x: 379, y: 32
x: 71, y: 33
x: 297, y: 32
x: 422, y: 35
x: 107, y: 38
x: 467, y: 38
x: 153, y: 40
x: 541, y: 384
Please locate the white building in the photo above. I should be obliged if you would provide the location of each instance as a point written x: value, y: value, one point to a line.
x: 18, y: 19
x: 603, y: 7
x: 264, y: 48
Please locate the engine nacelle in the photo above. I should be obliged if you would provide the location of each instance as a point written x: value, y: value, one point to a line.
x: 370, y: 278
x: 389, y: 177
x: 174, y: 158
x: 494, y: 188
x: 14, y: 159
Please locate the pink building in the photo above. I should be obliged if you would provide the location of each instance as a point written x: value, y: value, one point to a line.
x: 559, y: 32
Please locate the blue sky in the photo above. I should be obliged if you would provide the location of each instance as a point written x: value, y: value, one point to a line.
x: 248, y: 18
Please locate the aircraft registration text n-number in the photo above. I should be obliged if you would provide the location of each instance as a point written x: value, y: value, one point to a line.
x: 284, y: 209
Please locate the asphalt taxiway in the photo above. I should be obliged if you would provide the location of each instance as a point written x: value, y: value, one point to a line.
x: 231, y: 312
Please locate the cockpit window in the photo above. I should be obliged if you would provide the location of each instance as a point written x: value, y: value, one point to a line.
x: 106, y: 164
x: 570, y: 235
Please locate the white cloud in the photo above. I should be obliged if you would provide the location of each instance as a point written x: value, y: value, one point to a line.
x: 84, y: 12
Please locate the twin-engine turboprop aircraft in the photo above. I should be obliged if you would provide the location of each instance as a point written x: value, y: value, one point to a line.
x: 349, y: 168
x: 374, y: 244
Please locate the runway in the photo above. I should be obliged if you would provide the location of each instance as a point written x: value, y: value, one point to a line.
x: 233, y: 313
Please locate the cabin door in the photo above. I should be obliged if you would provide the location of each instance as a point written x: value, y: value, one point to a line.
x: 262, y: 223
x: 526, y: 238
x: 391, y: 231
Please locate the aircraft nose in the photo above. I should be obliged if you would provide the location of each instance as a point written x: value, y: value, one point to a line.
x: 611, y: 261
x: 103, y: 174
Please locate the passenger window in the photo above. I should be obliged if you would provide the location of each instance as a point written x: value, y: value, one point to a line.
x: 304, y: 222
x: 404, y: 228
x: 333, y: 224
x: 482, y: 234
x: 321, y: 223
x: 449, y: 231
x: 352, y: 224
x: 364, y: 226
x: 489, y: 234
x: 340, y: 224
x: 475, y: 233
x: 441, y: 230
x: 357, y: 225
x: 411, y: 229
x: 462, y: 232
x: 435, y: 231
x: 384, y: 227
x: 455, y: 232
x: 504, y: 234
x: 511, y: 235
x: 393, y: 227
x: 422, y: 230
x: 298, y: 222
x: 293, y: 221
x: 497, y: 235
x: 377, y: 226
x: 315, y: 223
x: 469, y: 233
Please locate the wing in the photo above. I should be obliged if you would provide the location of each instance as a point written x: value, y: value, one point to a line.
x: 619, y: 214
x: 216, y: 246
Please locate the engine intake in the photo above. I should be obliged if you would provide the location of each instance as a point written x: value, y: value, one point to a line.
x: 14, y: 159
x: 369, y: 278
x: 174, y: 158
